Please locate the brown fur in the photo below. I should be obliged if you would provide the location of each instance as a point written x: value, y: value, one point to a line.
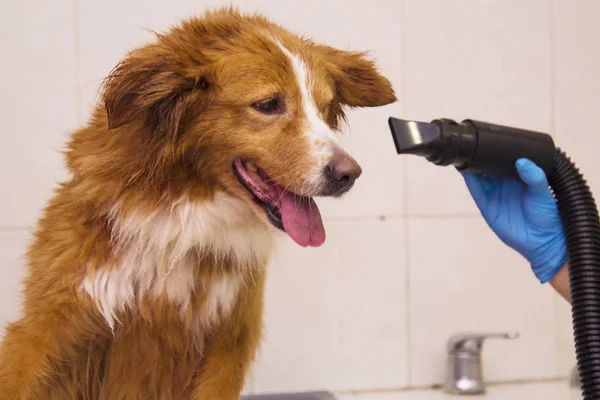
x: 175, y: 114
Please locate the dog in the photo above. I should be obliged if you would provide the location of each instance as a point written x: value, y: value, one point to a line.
x: 147, y: 269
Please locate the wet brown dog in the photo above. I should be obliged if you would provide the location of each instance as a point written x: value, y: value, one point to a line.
x: 147, y: 270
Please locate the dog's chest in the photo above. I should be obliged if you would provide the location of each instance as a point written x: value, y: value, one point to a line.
x: 157, y: 343
x: 193, y: 254
x: 150, y: 355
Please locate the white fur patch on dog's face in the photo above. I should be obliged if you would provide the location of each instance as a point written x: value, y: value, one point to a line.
x: 156, y: 256
x: 322, y: 139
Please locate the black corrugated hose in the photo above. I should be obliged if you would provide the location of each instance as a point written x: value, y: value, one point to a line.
x: 579, y: 216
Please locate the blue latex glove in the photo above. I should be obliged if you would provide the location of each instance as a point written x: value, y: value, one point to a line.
x: 524, y: 215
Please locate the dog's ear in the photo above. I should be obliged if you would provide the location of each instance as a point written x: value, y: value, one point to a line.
x: 357, y: 80
x: 151, y: 87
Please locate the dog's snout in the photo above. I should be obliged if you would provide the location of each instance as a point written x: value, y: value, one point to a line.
x: 341, y: 173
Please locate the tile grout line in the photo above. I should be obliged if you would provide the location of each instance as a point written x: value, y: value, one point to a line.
x: 552, y: 81
x: 385, y: 217
x: 405, y: 208
x: 551, y: 13
x: 8, y: 229
x: 77, y: 51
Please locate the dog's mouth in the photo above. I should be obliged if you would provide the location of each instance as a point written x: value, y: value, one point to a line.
x: 296, y: 215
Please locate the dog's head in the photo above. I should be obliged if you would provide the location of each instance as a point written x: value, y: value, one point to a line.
x: 247, y: 108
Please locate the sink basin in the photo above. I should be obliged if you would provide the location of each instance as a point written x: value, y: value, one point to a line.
x: 292, y: 396
x: 553, y: 390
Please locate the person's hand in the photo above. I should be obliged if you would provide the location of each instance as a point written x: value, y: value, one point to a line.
x: 524, y: 215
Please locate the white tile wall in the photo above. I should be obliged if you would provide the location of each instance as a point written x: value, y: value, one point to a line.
x: 487, y: 60
x: 38, y: 103
x: 463, y: 279
x: 577, y: 83
x: 374, y: 307
x: 332, y: 315
x: 565, y: 348
x: 12, y: 271
x: 110, y: 28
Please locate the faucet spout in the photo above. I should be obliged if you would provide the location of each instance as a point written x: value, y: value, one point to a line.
x: 464, y: 375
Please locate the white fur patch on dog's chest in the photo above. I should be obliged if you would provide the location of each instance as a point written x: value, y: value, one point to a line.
x: 158, y: 256
x: 221, y: 293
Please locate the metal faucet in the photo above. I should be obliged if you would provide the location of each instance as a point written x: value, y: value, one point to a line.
x: 464, y: 374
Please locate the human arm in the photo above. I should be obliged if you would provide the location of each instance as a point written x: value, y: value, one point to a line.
x: 561, y: 283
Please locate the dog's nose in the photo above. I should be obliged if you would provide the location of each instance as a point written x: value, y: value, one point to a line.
x: 342, y: 171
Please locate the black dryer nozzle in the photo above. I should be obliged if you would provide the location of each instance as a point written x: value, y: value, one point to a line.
x: 412, y: 137
x: 436, y: 141
x: 473, y: 146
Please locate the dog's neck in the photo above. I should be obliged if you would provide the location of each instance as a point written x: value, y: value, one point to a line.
x: 224, y: 227
x: 165, y: 251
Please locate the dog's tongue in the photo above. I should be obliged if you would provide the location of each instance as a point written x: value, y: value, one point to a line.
x: 302, y: 220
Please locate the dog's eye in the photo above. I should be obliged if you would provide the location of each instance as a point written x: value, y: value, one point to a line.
x: 269, y: 106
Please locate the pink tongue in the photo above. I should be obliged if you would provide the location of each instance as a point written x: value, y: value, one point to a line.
x: 302, y: 220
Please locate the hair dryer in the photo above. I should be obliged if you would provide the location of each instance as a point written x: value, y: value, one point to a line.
x: 484, y: 148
